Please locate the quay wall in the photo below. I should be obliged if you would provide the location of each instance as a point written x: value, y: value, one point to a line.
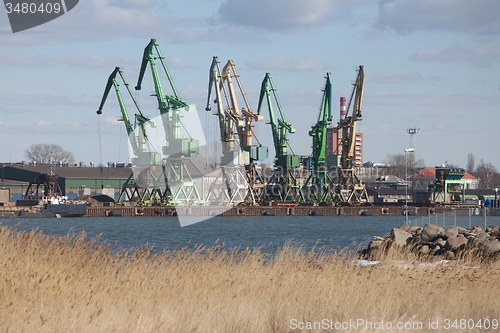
x: 280, y: 211
x: 103, y: 211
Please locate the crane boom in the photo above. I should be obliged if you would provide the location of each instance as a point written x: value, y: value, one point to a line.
x: 353, y: 189
x: 348, y: 125
x: 319, y: 184
x: 227, y: 120
x: 282, y: 185
x: 169, y: 105
x: 166, y: 103
x: 319, y: 130
x: 280, y: 127
x: 174, y: 101
x: 245, y: 132
x: 138, y: 146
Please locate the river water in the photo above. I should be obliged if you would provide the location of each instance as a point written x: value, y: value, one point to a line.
x: 267, y: 232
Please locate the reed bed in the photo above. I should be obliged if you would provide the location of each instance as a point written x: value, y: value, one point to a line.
x: 75, y: 284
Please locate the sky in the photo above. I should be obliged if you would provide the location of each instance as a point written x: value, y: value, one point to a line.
x: 432, y: 65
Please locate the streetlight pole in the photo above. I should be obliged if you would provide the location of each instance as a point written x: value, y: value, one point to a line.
x: 409, y: 150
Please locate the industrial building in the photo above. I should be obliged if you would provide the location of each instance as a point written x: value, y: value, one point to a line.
x: 333, y: 146
x: 73, y: 180
x: 334, y: 141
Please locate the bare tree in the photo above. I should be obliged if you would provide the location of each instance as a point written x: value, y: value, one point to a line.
x: 486, y: 172
x: 471, y: 163
x: 396, y: 165
x: 48, y: 154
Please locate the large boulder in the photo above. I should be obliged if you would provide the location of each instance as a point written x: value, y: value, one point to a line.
x: 415, y: 230
x: 492, y: 246
x: 456, y: 242
x: 494, y: 231
x: 439, y: 242
x: 400, y: 237
x: 431, y: 232
x: 424, y: 250
x: 374, y: 245
x: 453, y: 231
x: 475, y: 229
x: 481, y: 237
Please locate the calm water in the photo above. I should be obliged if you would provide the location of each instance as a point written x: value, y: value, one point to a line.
x: 270, y: 232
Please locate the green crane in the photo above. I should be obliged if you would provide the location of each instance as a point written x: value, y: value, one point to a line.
x: 144, y: 159
x: 169, y: 105
x: 320, y: 186
x: 180, y: 185
x: 283, y: 184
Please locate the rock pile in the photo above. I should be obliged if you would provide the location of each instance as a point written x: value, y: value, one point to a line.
x: 434, y: 240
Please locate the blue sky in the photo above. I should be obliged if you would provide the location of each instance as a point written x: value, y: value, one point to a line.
x: 429, y: 64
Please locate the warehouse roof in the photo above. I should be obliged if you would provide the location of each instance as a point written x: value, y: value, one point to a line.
x: 75, y: 172
x: 196, y: 169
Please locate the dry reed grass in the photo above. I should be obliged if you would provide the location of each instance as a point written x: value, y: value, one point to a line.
x: 73, y: 284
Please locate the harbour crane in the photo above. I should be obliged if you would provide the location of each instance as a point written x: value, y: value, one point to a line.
x: 170, y: 106
x: 283, y: 184
x: 319, y: 185
x: 145, y: 162
x: 179, y: 183
x: 231, y: 185
x: 243, y: 121
x: 352, y: 188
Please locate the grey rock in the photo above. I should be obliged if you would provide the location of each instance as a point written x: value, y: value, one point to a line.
x: 481, y: 237
x: 441, y: 242
x: 400, y: 237
x: 449, y: 255
x: 491, y: 228
x: 492, y: 246
x: 405, y: 228
x: 476, y: 229
x: 450, y: 232
x: 415, y: 230
x: 494, y: 231
x: 374, y: 244
x: 431, y: 232
x: 456, y: 242
x: 424, y: 249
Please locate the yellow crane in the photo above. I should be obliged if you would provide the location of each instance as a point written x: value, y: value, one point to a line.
x: 351, y: 187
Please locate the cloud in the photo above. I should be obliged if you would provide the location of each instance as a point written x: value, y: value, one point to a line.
x: 138, y: 3
x: 427, y: 101
x: 72, y: 128
x: 28, y: 98
x: 288, y: 64
x: 460, y: 16
x: 397, y: 78
x: 481, y: 55
x: 276, y: 14
x: 176, y: 62
x: 96, y: 19
x: 112, y: 120
x: 79, y: 60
